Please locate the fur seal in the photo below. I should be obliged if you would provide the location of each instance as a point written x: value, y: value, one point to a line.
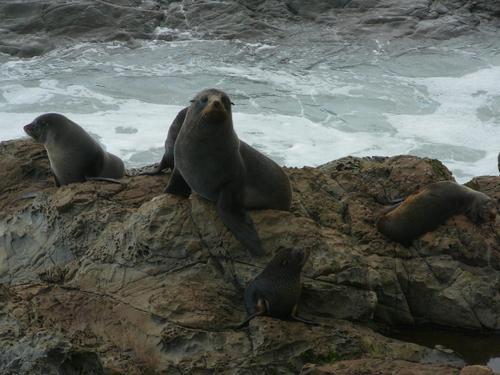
x: 167, y: 161
x: 73, y: 154
x: 276, y: 290
x: 431, y: 206
x: 213, y: 162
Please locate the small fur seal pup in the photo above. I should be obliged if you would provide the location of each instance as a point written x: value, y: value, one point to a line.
x: 73, y: 154
x: 213, y: 162
x: 430, y: 207
x: 276, y: 290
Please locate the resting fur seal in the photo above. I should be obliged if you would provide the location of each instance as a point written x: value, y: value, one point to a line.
x: 167, y: 160
x: 212, y: 161
x: 276, y: 290
x: 431, y: 206
x: 73, y: 154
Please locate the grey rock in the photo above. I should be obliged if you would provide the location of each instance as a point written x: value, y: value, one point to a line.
x: 62, y: 22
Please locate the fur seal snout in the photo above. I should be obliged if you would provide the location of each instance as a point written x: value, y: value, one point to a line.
x: 210, y: 160
x: 73, y: 154
x: 430, y: 207
x: 276, y: 290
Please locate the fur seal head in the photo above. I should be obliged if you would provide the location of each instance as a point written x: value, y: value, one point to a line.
x: 40, y: 128
x: 482, y: 209
x: 287, y: 261
x: 212, y: 106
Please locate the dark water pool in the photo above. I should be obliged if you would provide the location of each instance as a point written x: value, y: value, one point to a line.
x: 474, y: 348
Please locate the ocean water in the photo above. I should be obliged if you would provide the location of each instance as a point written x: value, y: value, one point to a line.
x: 303, y: 101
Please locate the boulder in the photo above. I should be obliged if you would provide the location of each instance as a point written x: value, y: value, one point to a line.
x: 147, y: 280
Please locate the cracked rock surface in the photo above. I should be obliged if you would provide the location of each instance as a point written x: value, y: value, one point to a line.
x: 105, y: 278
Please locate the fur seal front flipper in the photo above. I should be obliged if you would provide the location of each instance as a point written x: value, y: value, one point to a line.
x: 158, y: 169
x: 231, y: 211
x: 177, y: 185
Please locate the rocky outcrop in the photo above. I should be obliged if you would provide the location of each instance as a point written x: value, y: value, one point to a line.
x: 146, y: 280
x: 32, y: 27
x: 379, y: 367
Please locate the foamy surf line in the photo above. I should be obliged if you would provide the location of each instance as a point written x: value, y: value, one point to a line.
x: 139, y: 127
x: 464, y: 131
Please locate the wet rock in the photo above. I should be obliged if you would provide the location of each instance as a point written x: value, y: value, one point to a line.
x: 33, y: 27
x: 476, y: 370
x: 147, y: 280
x: 45, y: 354
x: 379, y: 367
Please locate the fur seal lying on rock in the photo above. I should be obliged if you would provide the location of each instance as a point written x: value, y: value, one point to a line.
x: 213, y: 162
x: 73, y: 154
x: 167, y: 160
x: 431, y: 206
x: 276, y: 290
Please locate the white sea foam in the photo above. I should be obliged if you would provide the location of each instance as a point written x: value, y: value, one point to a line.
x: 297, y: 118
x: 456, y: 122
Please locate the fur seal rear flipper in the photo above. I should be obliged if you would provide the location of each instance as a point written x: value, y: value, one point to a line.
x: 114, y: 181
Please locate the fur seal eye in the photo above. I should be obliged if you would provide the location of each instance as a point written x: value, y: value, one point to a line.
x: 192, y: 101
x: 227, y: 102
x: 204, y: 99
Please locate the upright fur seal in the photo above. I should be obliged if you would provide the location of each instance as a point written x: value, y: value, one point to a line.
x: 276, y: 290
x: 167, y: 160
x: 212, y: 161
x: 426, y: 209
x: 73, y: 154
